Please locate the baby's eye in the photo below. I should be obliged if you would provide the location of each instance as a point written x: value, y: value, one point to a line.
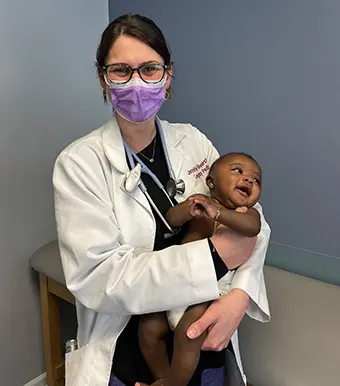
x: 257, y: 180
x: 237, y: 170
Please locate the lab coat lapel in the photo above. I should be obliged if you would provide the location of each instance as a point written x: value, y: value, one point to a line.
x: 173, y: 137
x: 113, y: 146
x: 115, y: 152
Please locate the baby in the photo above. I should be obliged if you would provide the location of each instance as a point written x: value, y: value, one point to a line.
x: 234, y: 182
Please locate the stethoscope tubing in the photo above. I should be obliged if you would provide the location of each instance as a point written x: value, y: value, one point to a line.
x: 133, y: 159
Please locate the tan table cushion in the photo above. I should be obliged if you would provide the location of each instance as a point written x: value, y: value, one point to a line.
x: 46, y: 260
x: 301, y: 345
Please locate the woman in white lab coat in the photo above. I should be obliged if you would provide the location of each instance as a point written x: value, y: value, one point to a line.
x: 119, y: 256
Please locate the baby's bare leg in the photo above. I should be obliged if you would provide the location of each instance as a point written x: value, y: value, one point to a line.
x: 152, y: 329
x: 186, y: 353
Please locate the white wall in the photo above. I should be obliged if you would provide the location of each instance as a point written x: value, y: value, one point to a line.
x: 49, y: 96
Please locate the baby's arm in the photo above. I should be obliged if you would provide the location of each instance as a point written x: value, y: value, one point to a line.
x: 246, y: 222
x: 179, y: 214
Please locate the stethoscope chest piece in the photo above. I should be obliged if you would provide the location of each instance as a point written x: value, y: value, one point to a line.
x: 175, y: 187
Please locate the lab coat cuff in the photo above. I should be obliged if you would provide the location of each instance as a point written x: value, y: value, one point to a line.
x: 203, y: 271
x: 258, y: 308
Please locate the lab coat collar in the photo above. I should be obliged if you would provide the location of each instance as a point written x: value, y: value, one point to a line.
x: 114, y: 148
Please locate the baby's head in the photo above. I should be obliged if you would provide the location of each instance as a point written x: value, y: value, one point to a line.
x: 235, y: 180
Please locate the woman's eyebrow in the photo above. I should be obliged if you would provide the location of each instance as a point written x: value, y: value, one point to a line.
x: 141, y: 64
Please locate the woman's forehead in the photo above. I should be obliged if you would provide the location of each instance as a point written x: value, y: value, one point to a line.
x: 130, y: 50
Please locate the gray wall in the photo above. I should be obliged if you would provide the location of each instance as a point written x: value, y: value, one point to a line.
x: 264, y: 77
x: 48, y: 96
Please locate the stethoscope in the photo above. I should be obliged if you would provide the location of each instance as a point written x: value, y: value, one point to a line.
x: 133, y: 178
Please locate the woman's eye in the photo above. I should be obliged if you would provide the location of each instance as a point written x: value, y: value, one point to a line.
x: 149, y: 69
x: 119, y: 70
x: 122, y: 70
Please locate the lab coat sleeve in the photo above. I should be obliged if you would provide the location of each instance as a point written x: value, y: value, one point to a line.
x: 248, y: 277
x: 107, y: 275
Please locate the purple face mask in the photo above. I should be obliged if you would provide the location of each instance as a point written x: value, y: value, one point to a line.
x: 137, y: 101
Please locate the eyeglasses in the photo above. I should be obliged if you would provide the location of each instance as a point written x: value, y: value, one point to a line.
x: 121, y: 73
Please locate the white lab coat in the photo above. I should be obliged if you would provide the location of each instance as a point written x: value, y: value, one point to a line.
x: 106, y: 237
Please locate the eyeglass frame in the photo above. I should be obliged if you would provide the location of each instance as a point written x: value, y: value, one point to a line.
x: 133, y: 70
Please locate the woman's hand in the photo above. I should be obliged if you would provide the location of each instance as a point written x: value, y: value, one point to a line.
x: 221, y: 319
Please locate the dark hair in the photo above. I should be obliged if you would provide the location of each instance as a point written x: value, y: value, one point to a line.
x: 224, y: 157
x: 139, y: 27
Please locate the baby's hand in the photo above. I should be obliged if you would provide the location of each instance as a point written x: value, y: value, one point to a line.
x: 195, y: 210
x: 203, y: 206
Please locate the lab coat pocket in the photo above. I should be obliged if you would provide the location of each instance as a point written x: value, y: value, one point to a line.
x: 73, y: 363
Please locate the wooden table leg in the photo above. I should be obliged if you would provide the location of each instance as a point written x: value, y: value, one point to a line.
x: 51, y: 332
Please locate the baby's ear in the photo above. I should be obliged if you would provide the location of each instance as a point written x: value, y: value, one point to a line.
x: 210, y: 182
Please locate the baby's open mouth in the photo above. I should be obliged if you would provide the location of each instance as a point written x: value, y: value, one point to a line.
x: 244, y: 190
